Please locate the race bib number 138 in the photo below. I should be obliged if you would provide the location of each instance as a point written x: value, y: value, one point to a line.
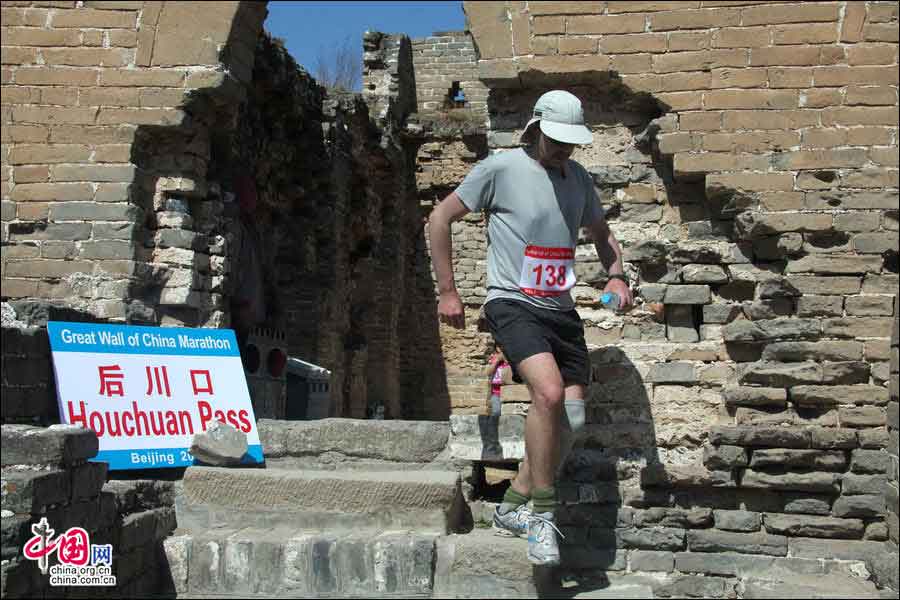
x: 547, y: 271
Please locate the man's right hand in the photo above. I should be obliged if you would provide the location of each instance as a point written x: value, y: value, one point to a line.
x: 450, y: 310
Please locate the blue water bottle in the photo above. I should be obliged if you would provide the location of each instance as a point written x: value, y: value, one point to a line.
x: 610, y: 300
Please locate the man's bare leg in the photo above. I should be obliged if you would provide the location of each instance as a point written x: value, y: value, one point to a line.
x: 545, y: 386
x: 523, y: 482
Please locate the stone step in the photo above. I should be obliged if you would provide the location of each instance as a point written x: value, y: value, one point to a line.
x: 811, y: 586
x: 345, y: 440
x: 425, y: 501
x: 481, y: 564
x: 290, y: 563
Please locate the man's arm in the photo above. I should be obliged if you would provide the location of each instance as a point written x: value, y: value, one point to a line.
x: 450, y: 308
x: 610, y: 254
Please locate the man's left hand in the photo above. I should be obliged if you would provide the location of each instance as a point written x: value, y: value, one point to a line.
x: 619, y: 287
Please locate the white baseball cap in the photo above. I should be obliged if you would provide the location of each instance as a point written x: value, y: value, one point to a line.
x: 561, y: 118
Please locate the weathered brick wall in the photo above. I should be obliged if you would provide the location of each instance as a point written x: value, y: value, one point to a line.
x: 93, y: 93
x: 746, y: 154
x: 124, y: 136
x: 439, y: 60
x: 891, y: 491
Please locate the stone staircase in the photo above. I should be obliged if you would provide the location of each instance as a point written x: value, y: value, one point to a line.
x: 378, y: 509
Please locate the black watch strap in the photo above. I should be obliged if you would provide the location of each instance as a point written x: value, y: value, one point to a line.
x: 619, y: 276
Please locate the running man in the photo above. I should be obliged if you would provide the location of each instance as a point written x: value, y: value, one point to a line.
x: 538, y: 199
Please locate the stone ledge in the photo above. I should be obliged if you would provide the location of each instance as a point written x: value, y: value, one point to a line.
x: 339, y: 500
x: 54, y: 445
x: 393, y: 440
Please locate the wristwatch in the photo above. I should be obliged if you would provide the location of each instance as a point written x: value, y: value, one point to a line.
x: 620, y: 277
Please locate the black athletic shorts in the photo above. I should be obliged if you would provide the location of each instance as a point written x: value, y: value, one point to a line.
x: 522, y: 330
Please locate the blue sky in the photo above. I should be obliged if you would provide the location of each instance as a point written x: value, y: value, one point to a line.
x: 307, y: 26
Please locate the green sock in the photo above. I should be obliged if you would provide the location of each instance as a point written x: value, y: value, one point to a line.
x: 544, y: 499
x: 512, y: 500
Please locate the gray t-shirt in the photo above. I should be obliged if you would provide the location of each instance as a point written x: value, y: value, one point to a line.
x: 528, y: 207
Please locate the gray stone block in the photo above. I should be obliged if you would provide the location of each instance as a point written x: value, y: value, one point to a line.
x: 809, y: 586
x: 781, y: 374
x: 814, y: 482
x: 608, y: 175
x: 641, y: 213
x: 652, y: 292
x: 687, y: 294
x: 863, y: 416
x: 720, y: 313
x: 777, y: 288
x: 650, y: 251
x: 744, y: 565
x: 654, y: 538
x: 54, y: 445
x: 822, y: 460
x: 779, y: 328
x: 870, y: 461
x: 876, y: 438
x: 778, y: 246
x: 700, y: 540
x: 674, y: 517
x: 90, y: 211
x: 855, y: 484
x: 345, y: 500
x: 672, y: 476
x: 754, y: 396
x: 814, y: 526
x: 859, y: 506
x: 479, y: 564
x: 176, y: 238
x: 724, y: 457
x: 650, y: 560
x: 692, y: 586
x: 808, y: 505
x: 820, y: 306
x: 827, y: 437
x: 737, y: 520
x: 761, y: 436
x: 845, y: 373
x: 877, y: 531
x: 33, y: 491
x: 391, y: 440
x: 673, y: 372
x: 764, y: 310
x: 712, y: 274
x: 833, y: 549
x: 221, y: 444
x: 824, y: 350
x: 108, y: 250
x: 49, y: 231
x: 817, y: 395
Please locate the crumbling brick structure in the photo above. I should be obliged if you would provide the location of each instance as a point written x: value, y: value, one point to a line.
x: 126, y: 139
x: 746, y: 153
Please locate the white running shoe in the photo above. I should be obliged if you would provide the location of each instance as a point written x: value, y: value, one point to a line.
x: 543, y: 549
x: 513, y: 523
